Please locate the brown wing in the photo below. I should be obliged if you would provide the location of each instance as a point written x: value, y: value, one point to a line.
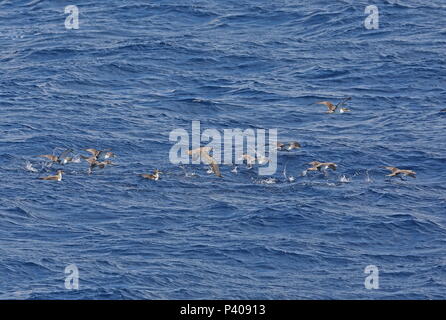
x: 194, y: 153
x: 296, y: 144
x: 91, y: 160
x: 393, y: 174
x: 94, y: 152
x: 211, y: 161
x: 49, y: 156
x: 328, y: 104
x: 216, y: 169
x: 409, y: 173
x: 65, y: 153
x: 50, y: 178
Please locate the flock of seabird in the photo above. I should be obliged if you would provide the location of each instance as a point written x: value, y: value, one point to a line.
x: 101, y: 158
x: 97, y: 159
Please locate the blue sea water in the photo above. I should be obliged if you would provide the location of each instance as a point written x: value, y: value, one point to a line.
x: 136, y: 70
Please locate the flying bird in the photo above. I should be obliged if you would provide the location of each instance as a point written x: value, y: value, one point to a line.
x: 322, y: 166
x: 395, y: 172
x: 97, y: 153
x: 332, y: 108
x: 288, y: 146
x: 260, y: 158
x: 195, y: 153
x: 61, y: 159
x: 213, y: 164
x: 93, y: 161
x: 250, y: 160
x: 203, y: 153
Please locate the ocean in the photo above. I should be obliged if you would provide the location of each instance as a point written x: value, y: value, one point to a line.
x: 134, y: 71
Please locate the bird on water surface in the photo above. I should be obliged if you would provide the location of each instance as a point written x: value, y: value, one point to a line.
x: 57, y: 177
x: 155, y: 176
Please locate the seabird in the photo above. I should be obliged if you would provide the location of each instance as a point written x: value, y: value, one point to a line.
x: 260, y: 159
x: 321, y: 166
x: 109, y: 155
x: 51, y: 157
x: 97, y: 153
x: 293, y: 145
x: 155, y: 176
x: 57, y: 177
x: 90, y: 160
x: 332, y: 108
x: 102, y: 164
x: 66, y: 160
x: 198, y: 151
x: 61, y: 159
x: 288, y: 146
x: 203, y: 152
x: 250, y: 160
x: 93, y: 161
x: 399, y: 172
x: 213, y: 164
x: 280, y: 146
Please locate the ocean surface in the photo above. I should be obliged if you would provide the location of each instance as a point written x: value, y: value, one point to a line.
x: 136, y: 70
